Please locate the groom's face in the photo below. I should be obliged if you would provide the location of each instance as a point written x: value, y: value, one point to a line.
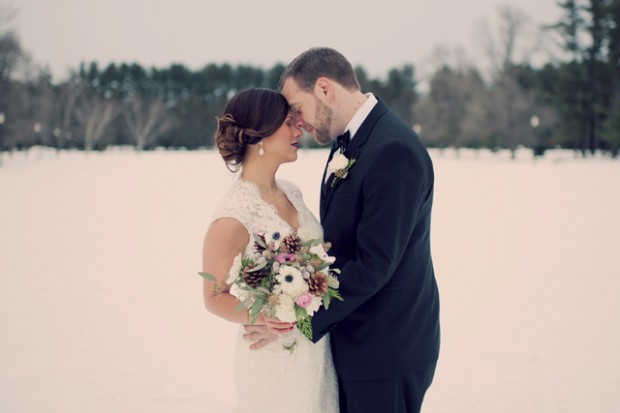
x: 311, y: 113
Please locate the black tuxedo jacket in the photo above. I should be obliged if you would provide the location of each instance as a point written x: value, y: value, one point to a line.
x: 378, y: 220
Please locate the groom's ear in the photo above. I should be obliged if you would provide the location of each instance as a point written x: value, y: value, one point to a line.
x: 324, y: 88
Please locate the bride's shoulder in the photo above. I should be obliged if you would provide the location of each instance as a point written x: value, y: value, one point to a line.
x: 236, y: 197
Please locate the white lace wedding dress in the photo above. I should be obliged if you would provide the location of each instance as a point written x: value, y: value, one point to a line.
x: 272, y: 379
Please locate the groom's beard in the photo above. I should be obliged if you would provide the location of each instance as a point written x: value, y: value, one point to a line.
x: 322, y: 123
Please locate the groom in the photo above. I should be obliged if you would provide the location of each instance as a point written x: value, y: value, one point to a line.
x: 376, y: 206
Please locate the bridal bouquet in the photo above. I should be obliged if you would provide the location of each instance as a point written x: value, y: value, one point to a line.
x: 285, y: 278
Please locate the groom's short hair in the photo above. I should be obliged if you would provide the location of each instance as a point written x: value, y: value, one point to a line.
x: 317, y: 62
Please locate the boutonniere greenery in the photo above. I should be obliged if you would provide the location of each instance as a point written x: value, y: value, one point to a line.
x: 339, y: 166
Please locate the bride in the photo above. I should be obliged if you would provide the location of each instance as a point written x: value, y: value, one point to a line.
x: 255, y: 136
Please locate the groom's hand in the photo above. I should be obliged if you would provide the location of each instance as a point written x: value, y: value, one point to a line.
x: 276, y: 326
x: 259, y: 335
x: 266, y: 331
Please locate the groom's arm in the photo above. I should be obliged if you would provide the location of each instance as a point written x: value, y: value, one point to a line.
x: 395, y: 188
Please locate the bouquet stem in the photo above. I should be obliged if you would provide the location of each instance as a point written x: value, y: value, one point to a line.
x: 289, y: 340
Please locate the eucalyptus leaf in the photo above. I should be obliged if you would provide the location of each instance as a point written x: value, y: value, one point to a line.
x: 258, y: 267
x: 264, y: 291
x: 312, y: 242
x: 254, y: 318
x: 207, y: 276
x: 322, y: 267
x: 257, y: 306
x: 259, y: 241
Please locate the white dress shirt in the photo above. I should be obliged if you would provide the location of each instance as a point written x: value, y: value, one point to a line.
x: 357, y: 119
x: 361, y: 115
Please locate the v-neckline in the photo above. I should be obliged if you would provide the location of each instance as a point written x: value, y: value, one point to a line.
x: 273, y: 207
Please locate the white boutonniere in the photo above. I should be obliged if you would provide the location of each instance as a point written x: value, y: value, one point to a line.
x: 339, y: 166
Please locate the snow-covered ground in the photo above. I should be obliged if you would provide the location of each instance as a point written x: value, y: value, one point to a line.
x: 101, y: 308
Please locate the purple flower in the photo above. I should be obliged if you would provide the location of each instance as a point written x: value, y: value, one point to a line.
x: 284, y: 258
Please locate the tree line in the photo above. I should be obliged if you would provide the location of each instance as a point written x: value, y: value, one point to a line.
x: 572, y: 101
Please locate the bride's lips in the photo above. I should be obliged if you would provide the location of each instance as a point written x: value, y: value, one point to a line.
x: 295, y: 144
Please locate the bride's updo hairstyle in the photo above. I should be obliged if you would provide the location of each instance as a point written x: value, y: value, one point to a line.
x: 249, y: 116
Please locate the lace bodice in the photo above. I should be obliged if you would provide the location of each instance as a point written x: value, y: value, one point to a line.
x: 272, y: 379
x: 243, y: 202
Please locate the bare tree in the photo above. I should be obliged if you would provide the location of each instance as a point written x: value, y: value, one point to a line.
x: 443, y: 110
x: 511, y: 46
x: 146, y: 120
x: 94, y: 114
x: 69, y: 94
x: 475, y: 129
x: 513, y: 42
x: 512, y: 107
x: 446, y: 56
x: 42, y: 108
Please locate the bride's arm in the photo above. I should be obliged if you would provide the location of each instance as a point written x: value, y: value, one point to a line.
x: 225, y: 239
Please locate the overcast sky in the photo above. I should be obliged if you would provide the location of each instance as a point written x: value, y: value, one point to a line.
x: 378, y: 35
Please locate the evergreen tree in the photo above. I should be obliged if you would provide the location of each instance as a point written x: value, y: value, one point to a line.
x: 10, y: 55
x: 611, y: 129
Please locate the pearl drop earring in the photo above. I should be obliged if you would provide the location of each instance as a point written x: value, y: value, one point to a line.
x: 261, y: 151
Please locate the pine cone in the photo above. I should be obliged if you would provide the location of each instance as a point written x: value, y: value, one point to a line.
x: 318, y: 284
x: 257, y: 247
x: 253, y: 278
x: 291, y: 244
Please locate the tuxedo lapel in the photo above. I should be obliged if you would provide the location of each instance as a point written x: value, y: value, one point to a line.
x: 326, y: 185
x: 352, y: 152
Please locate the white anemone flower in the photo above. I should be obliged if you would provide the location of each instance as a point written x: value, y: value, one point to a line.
x: 236, y: 291
x: 314, y: 306
x: 285, y: 310
x: 320, y: 251
x: 234, y: 270
x: 291, y: 280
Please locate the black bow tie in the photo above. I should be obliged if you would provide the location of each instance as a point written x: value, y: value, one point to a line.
x: 343, y: 140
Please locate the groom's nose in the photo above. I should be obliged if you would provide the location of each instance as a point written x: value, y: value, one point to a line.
x: 298, y: 121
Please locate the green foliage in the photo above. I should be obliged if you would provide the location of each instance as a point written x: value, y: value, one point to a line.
x: 207, y: 276
x: 574, y: 99
x: 398, y: 90
x: 611, y: 129
x: 589, y: 83
x: 304, y: 323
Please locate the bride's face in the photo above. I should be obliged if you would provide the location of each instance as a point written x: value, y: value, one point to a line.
x: 282, y: 146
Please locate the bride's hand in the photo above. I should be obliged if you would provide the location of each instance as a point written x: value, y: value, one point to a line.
x: 265, y: 331
x: 259, y: 335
